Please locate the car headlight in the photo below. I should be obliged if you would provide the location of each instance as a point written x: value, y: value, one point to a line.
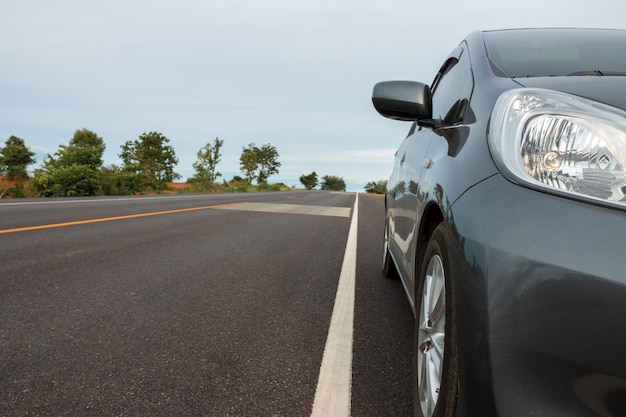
x: 561, y: 143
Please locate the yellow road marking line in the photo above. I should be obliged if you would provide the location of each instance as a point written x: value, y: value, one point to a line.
x: 108, y: 219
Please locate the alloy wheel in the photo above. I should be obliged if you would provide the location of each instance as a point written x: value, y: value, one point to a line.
x: 431, y: 335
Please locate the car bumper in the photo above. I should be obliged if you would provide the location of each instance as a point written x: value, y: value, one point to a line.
x: 541, y: 304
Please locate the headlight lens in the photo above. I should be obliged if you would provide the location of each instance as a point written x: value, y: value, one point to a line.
x: 561, y: 142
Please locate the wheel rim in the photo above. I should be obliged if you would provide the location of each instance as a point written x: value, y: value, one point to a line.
x: 386, y: 243
x: 431, y: 335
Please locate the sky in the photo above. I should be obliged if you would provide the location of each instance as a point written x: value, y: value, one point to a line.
x: 294, y: 74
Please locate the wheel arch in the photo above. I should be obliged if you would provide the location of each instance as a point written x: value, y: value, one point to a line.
x: 432, y: 217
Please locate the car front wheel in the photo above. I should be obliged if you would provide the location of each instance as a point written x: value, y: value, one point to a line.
x: 435, y: 381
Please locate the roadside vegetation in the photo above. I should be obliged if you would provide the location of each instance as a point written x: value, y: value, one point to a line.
x: 148, y: 162
x: 376, y: 187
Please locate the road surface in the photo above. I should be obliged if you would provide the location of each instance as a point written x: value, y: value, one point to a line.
x: 198, y: 305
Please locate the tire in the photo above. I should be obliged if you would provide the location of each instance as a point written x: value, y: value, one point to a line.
x: 388, y: 267
x: 435, y: 382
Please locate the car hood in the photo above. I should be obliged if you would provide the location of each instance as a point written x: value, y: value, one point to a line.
x: 609, y: 90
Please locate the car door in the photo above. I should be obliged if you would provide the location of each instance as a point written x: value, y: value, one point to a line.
x: 451, y: 91
x: 404, y: 191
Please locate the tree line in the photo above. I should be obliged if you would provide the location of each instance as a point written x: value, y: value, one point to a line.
x: 335, y: 183
x: 77, y: 168
x: 328, y: 183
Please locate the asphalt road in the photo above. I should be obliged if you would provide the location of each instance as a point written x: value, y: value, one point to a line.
x: 193, y: 305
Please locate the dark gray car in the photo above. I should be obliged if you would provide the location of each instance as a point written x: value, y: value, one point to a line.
x: 506, y: 223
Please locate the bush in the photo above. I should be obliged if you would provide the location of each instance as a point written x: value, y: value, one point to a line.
x: 271, y: 187
x: 333, y: 183
x: 376, y: 187
x: 115, y: 181
x: 237, y: 185
x: 17, y: 190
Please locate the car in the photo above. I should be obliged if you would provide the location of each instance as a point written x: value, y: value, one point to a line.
x: 505, y: 221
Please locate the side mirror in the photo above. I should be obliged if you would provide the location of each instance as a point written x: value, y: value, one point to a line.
x: 403, y: 100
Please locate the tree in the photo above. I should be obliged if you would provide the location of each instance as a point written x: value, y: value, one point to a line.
x: 151, y: 156
x: 376, y: 187
x: 248, y: 163
x: 14, y: 158
x: 88, y: 139
x: 85, y: 148
x: 309, y: 181
x: 259, y: 163
x: 267, y: 160
x: 75, y: 168
x: 208, y: 158
x: 333, y: 183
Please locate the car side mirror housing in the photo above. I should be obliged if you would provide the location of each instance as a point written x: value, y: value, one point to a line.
x: 403, y: 100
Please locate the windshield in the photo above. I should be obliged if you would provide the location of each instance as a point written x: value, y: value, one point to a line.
x: 556, y: 52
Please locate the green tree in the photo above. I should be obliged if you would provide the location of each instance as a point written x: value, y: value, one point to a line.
x: 267, y: 160
x: 258, y: 163
x: 75, y: 168
x: 151, y: 156
x: 376, y: 187
x: 87, y: 139
x: 248, y: 163
x: 309, y: 181
x: 14, y: 158
x: 333, y: 183
x: 85, y: 148
x: 208, y: 158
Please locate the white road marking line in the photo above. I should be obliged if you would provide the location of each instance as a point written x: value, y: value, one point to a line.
x: 292, y: 209
x: 334, y: 386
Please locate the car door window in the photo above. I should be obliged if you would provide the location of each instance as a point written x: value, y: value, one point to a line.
x: 452, y: 88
